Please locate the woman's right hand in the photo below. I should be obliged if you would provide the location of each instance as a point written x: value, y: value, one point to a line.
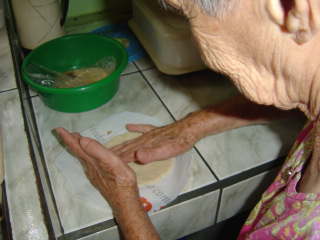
x: 157, y: 143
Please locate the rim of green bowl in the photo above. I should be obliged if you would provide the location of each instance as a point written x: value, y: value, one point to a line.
x: 115, y: 74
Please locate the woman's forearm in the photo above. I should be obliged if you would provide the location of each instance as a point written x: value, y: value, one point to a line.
x: 233, y: 113
x: 134, y: 222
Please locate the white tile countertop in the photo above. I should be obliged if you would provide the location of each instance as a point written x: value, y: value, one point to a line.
x: 228, y: 172
x: 22, y: 200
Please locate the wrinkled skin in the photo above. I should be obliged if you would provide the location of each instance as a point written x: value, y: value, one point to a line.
x: 270, y: 50
x: 103, y: 168
x: 264, y: 60
x: 158, y: 143
x: 116, y: 182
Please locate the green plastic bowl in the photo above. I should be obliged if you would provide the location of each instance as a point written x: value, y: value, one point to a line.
x: 73, y: 52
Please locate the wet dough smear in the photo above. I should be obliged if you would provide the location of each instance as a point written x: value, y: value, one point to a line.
x: 147, y: 173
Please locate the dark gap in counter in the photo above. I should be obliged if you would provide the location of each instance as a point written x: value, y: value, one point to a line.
x: 252, y: 172
x: 218, y: 206
x: 7, y: 234
x: 93, y: 229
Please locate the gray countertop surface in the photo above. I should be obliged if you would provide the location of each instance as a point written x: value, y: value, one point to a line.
x: 228, y: 172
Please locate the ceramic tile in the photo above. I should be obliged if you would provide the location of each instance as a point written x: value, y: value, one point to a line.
x: 241, y: 149
x: 144, y: 63
x: 76, y: 209
x: 7, y: 77
x: 186, y: 93
x: 200, y: 175
x: 26, y: 219
x: 233, y: 151
x: 189, y: 217
x: 130, y: 68
x: 178, y: 221
x: 244, y: 195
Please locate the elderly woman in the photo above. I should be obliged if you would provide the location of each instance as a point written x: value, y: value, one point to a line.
x: 269, y: 48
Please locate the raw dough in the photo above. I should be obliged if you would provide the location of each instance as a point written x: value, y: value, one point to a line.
x: 81, y: 77
x: 147, y: 173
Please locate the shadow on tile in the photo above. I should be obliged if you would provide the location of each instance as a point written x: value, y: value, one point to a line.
x: 228, y: 229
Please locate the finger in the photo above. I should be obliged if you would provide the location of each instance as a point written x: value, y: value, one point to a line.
x: 97, y: 151
x: 142, y: 128
x: 122, y: 146
x: 76, y: 135
x: 130, y: 145
x: 66, y: 137
x: 72, y: 142
x: 129, y: 156
x: 163, y: 152
x: 60, y: 131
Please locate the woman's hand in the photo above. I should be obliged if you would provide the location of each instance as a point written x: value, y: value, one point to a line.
x: 116, y: 181
x: 112, y: 177
x: 156, y: 143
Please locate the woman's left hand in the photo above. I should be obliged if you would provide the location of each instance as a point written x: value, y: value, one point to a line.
x: 111, y: 176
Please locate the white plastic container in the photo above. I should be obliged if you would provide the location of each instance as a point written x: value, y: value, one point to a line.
x: 166, y: 37
x: 37, y: 21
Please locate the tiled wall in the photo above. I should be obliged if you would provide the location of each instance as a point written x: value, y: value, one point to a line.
x: 92, y: 14
x: 84, y: 7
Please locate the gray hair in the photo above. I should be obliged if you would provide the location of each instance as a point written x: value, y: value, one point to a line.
x: 216, y: 8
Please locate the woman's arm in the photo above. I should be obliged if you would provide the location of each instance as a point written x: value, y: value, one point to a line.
x: 158, y: 143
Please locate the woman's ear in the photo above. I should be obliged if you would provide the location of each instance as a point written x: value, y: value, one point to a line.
x: 301, y: 18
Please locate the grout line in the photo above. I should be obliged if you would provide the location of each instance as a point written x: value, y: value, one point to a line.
x: 129, y: 73
x: 147, y: 69
x: 155, y: 92
x: 218, y: 206
x: 8, y: 90
x: 207, y: 164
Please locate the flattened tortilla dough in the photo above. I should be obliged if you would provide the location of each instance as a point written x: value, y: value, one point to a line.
x: 147, y: 173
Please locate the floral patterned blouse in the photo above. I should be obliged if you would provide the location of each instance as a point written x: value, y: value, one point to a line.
x: 282, y: 212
